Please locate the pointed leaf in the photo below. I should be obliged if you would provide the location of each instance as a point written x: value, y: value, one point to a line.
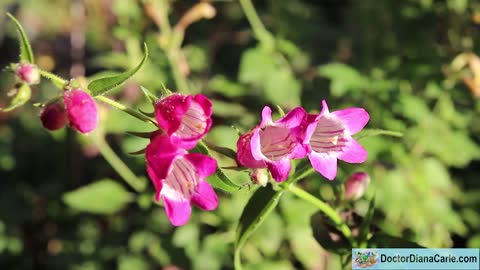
x: 220, y: 179
x: 365, y: 133
x: 260, y: 205
x: 280, y: 111
x: 145, y: 135
x: 103, y: 85
x: 222, y: 150
x: 26, y: 53
x: 149, y: 95
x: 101, y: 197
x: 139, y: 152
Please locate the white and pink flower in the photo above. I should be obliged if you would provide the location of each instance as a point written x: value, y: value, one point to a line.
x: 179, y: 178
x: 329, y: 137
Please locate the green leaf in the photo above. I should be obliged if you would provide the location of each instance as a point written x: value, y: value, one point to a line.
x: 343, y: 78
x: 228, y: 152
x: 364, y: 227
x: 101, y: 197
x: 219, y: 180
x: 144, y: 135
x: 22, y: 95
x: 103, y: 85
x: 149, y: 95
x: 26, y: 53
x: 381, y: 240
x: 328, y: 236
x: 376, y: 132
x: 260, y: 205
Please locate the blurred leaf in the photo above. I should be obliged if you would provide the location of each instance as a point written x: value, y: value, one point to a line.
x: 26, y: 53
x: 380, y: 240
x: 128, y: 262
x: 228, y: 152
x: 226, y: 87
x: 328, y: 236
x: 365, y: 133
x: 101, y: 197
x: 365, y: 226
x: 103, y: 85
x: 282, y: 88
x: 255, y: 65
x: 344, y: 78
x: 260, y: 205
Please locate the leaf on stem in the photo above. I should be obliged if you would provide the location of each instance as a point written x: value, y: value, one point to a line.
x: 101, y: 197
x: 260, y: 205
x: 26, y: 53
x: 103, y: 85
x: 382, y: 240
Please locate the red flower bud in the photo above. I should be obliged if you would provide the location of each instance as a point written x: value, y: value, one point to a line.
x: 81, y: 109
x: 54, y: 116
x: 28, y: 73
x: 356, y: 185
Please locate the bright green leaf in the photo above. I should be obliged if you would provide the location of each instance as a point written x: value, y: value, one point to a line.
x: 101, y: 197
x: 376, y: 132
x: 260, y: 205
x: 26, y: 53
x: 103, y: 85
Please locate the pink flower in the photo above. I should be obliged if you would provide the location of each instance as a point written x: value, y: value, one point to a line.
x: 186, y: 119
x: 273, y: 144
x: 329, y: 137
x: 81, y: 110
x: 28, y: 73
x: 54, y: 116
x: 356, y: 185
x: 179, y: 179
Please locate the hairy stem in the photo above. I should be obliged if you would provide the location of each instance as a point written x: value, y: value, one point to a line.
x: 126, y: 109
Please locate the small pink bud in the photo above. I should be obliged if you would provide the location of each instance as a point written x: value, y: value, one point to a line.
x: 54, y: 116
x: 81, y: 109
x: 356, y: 185
x: 28, y: 73
x: 259, y: 177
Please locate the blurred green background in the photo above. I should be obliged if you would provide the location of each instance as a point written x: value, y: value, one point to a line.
x: 404, y: 61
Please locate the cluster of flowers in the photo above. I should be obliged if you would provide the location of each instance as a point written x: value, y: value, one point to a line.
x: 76, y: 108
x: 179, y: 176
x: 324, y: 138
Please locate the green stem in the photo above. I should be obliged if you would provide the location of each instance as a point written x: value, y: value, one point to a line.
x: 118, y: 165
x: 259, y: 29
x: 324, y: 208
x: 126, y: 109
x: 178, y: 77
x: 57, y: 80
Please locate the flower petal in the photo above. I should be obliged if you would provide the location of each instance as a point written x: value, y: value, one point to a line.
x: 325, y: 164
x: 266, y: 117
x: 204, y: 165
x: 354, y: 153
x: 81, y: 109
x: 160, y: 154
x: 353, y: 118
x: 205, y: 103
x: 157, y: 181
x: 294, y: 118
x: 279, y: 169
x: 244, y: 152
x: 205, y: 197
x: 324, y: 109
x: 178, y: 212
x: 169, y: 111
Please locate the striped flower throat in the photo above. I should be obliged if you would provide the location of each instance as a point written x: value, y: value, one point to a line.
x: 277, y: 142
x: 329, y: 136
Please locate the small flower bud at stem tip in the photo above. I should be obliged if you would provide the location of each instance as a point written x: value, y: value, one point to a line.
x: 356, y: 185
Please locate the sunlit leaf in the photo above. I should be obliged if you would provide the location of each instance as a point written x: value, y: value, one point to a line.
x: 26, y: 53
x: 103, y: 85
x: 376, y: 132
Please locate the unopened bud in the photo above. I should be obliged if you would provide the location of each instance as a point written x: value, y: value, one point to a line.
x: 356, y: 185
x: 54, y: 116
x: 28, y: 73
x: 259, y: 177
x: 81, y: 109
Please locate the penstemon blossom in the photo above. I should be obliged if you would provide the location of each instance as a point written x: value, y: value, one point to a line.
x: 185, y: 118
x: 179, y: 178
x: 273, y: 144
x: 329, y: 137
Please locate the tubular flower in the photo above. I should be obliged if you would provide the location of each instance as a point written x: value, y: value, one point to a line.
x: 81, y: 110
x: 54, y: 116
x: 274, y: 143
x: 329, y: 137
x: 186, y: 119
x: 179, y: 179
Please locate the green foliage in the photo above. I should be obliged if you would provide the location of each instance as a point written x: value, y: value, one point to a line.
x: 26, y: 53
x: 101, y: 197
x: 103, y: 85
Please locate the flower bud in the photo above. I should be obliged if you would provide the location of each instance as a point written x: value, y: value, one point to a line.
x: 356, y: 185
x: 20, y: 94
x: 28, y: 73
x: 81, y: 110
x: 259, y: 177
x: 54, y: 116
